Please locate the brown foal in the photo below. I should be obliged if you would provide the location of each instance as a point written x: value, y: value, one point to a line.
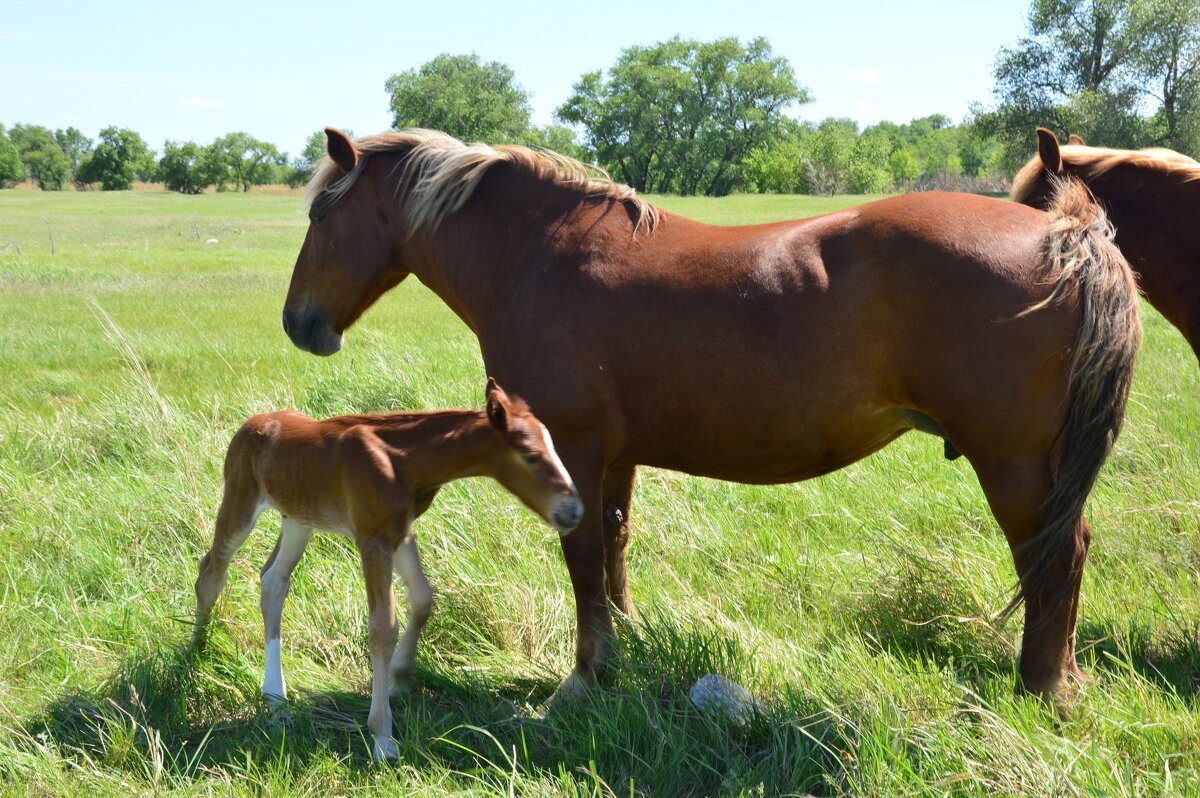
x: 369, y: 477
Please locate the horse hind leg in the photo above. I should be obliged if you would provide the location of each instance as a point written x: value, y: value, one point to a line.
x: 1050, y: 571
x: 239, y: 510
x: 275, y: 582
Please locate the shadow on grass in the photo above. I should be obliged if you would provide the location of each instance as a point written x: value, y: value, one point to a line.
x: 1168, y: 659
x: 194, y: 716
x: 932, y: 615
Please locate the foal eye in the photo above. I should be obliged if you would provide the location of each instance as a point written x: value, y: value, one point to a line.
x: 532, y: 460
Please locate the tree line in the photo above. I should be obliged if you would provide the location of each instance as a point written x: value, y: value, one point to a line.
x: 689, y: 117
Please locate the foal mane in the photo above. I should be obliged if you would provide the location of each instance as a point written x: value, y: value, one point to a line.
x: 1092, y: 162
x: 439, y: 173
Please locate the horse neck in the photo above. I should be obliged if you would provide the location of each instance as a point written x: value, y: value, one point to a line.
x: 1153, y: 213
x: 477, y: 259
x: 434, y: 448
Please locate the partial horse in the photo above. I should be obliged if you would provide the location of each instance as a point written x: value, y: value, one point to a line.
x: 763, y: 354
x: 1151, y: 197
x: 369, y: 477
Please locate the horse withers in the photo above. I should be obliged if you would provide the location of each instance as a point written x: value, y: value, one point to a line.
x: 764, y: 353
x: 369, y: 477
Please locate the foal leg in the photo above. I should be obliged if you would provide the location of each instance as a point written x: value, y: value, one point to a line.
x: 617, y: 497
x: 376, y: 554
x: 407, y: 563
x: 276, y: 580
x: 1017, y: 491
x: 239, y: 509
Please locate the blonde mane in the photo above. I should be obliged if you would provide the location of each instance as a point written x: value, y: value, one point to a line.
x: 1092, y: 162
x: 440, y: 173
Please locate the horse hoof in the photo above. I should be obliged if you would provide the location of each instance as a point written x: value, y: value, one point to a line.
x: 384, y: 750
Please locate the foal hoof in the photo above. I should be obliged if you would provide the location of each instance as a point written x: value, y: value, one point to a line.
x: 384, y: 750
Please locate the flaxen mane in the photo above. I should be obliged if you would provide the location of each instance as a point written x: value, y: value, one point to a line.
x: 1092, y: 162
x: 440, y: 173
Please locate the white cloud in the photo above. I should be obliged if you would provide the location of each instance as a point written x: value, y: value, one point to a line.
x: 200, y: 102
x: 869, y: 77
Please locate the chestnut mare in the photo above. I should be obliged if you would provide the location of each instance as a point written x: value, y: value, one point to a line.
x: 369, y: 477
x: 1151, y: 197
x: 763, y: 354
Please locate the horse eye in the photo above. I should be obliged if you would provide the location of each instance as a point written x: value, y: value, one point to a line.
x: 532, y: 460
x: 316, y: 220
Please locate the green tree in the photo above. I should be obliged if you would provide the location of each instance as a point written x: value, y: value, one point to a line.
x: 243, y: 160
x: 683, y: 115
x: 120, y: 157
x: 12, y: 169
x: 778, y: 165
x: 463, y: 96
x: 185, y: 168
x: 74, y: 145
x: 557, y: 138
x: 904, y: 167
x: 828, y: 156
x: 1077, y: 71
x: 45, y: 163
x: 1169, y: 69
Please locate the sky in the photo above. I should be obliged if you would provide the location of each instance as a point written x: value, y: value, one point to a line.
x: 282, y: 70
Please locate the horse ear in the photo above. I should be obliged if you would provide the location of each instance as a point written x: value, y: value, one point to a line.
x: 497, y: 405
x: 1076, y: 140
x: 1048, y: 151
x: 341, y: 149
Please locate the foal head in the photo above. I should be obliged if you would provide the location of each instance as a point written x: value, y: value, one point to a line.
x: 349, y: 258
x: 526, y: 463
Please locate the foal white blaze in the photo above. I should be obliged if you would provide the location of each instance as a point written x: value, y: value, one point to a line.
x: 370, y: 477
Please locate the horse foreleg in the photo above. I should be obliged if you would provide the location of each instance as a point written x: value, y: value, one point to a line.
x: 376, y: 555
x: 617, y: 498
x: 407, y: 563
x: 1017, y: 493
x: 274, y: 585
x: 583, y: 550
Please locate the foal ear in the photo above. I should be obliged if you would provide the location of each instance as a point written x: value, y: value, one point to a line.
x: 497, y: 405
x: 1048, y: 151
x: 1076, y: 140
x: 341, y: 149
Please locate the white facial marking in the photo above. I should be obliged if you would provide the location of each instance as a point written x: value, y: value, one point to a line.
x: 273, y: 686
x: 562, y: 471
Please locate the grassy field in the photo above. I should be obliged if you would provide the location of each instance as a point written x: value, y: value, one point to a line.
x: 858, y: 608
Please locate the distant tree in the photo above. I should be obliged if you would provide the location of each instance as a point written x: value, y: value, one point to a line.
x: 1076, y: 72
x: 557, y: 138
x: 12, y: 169
x: 463, y: 96
x: 1168, y: 66
x: 243, y: 160
x: 904, y: 167
x: 120, y: 157
x: 45, y: 163
x: 828, y: 156
x: 74, y: 145
x: 683, y: 115
x: 869, y: 163
x: 185, y: 168
x: 778, y: 165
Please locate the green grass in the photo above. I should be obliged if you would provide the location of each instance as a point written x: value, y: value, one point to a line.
x: 858, y: 608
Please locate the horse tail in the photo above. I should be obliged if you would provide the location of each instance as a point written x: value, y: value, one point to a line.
x: 1091, y: 271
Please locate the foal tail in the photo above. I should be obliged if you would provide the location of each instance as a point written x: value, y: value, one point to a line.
x: 1092, y: 272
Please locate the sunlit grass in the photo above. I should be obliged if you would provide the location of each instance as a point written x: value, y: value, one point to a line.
x: 858, y: 608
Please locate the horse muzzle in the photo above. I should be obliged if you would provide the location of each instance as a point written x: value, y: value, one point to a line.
x: 312, y: 331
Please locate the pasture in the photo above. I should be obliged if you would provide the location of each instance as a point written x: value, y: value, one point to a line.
x: 859, y: 608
